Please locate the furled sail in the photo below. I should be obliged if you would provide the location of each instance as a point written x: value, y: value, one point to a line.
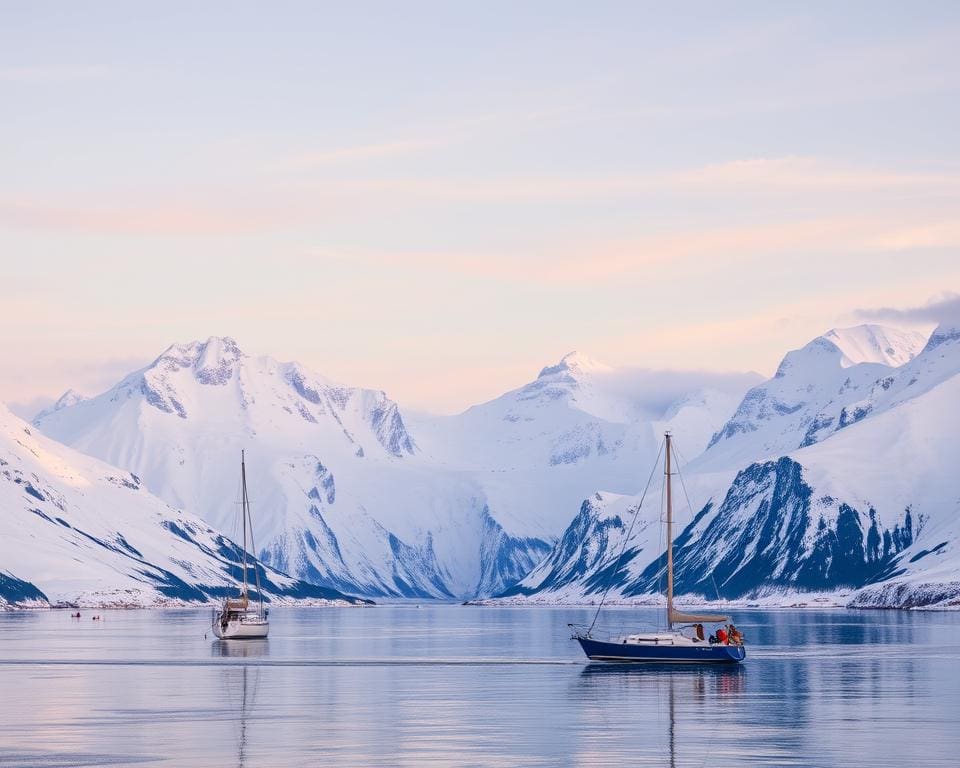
x: 678, y: 617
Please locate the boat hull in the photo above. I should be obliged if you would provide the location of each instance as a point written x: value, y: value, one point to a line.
x: 600, y: 650
x: 241, y: 630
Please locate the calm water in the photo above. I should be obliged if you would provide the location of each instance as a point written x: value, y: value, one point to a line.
x: 452, y: 685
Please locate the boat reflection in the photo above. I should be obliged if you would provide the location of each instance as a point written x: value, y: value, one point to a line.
x: 719, y: 680
x: 250, y: 649
x: 684, y: 688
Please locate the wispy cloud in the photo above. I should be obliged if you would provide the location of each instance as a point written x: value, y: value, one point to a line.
x: 363, y: 152
x: 705, y: 248
x: 821, y: 184
x: 89, y: 375
x: 944, y: 308
x: 800, y: 173
x: 473, y: 129
x: 754, y: 178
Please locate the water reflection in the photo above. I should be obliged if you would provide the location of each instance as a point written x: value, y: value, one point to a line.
x: 240, y: 687
x: 690, y: 686
x: 245, y: 649
x: 818, y: 688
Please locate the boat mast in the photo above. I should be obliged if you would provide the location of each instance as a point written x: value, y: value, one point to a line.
x: 248, y: 518
x: 669, y: 535
x: 243, y: 514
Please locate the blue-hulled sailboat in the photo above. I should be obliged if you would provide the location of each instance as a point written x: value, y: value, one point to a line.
x: 683, y: 640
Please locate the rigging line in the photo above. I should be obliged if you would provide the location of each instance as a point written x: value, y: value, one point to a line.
x: 685, y: 494
x: 253, y: 546
x: 623, y: 547
x: 690, y: 507
x: 234, y: 526
x: 662, y: 539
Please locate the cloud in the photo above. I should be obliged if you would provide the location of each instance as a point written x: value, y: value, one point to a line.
x: 759, y: 177
x: 27, y: 409
x: 791, y: 173
x: 467, y: 129
x: 364, y: 151
x: 37, y: 383
x: 597, y: 261
x: 657, y: 389
x: 942, y: 310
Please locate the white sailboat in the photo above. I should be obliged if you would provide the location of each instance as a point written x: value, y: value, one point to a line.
x: 237, y: 619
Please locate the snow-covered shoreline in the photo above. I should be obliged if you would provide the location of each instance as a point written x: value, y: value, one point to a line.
x: 166, y: 605
x: 848, y: 599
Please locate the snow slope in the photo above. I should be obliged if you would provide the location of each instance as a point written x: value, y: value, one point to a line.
x: 816, y: 391
x: 68, y: 398
x: 871, y: 343
x: 578, y: 427
x: 75, y: 530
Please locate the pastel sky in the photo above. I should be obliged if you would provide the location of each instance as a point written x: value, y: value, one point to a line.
x: 439, y: 198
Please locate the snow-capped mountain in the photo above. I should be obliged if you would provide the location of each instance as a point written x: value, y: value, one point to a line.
x: 311, y: 443
x: 347, y: 496
x: 870, y: 343
x: 75, y: 530
x: 803, y: 486
x: 68, y: 398
x: 816, y: 391
x: 870, y: 507
x: 579, y: 426
x: 580, y: 411
x: 340, y: 496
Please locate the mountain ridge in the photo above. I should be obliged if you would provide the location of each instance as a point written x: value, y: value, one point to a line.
x: 80, y: 532
x: 355, y: 499
x: 867, y: 510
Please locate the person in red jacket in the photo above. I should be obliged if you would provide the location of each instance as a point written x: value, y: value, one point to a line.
x: 722, y: 636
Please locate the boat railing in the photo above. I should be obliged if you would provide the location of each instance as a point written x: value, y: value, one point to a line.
x: 610, y: 632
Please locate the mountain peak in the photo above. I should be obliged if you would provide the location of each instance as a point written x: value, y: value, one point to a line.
x: 68, y: 398
x: 212, y: 360
x: 214, y: 347
x: 847, y: 347
x: 870, y: 343
x: 573, y: 362
x: 942, y: 334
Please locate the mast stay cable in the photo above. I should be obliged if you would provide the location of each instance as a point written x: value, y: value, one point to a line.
x: 623, y: 547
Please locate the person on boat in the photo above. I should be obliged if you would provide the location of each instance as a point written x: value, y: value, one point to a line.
x: 736, y: 637
x: 722, y: 637
x: 698, y: 629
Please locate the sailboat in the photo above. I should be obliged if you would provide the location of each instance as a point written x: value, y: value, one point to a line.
x: 237, y: 619
x: 683, y: 639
